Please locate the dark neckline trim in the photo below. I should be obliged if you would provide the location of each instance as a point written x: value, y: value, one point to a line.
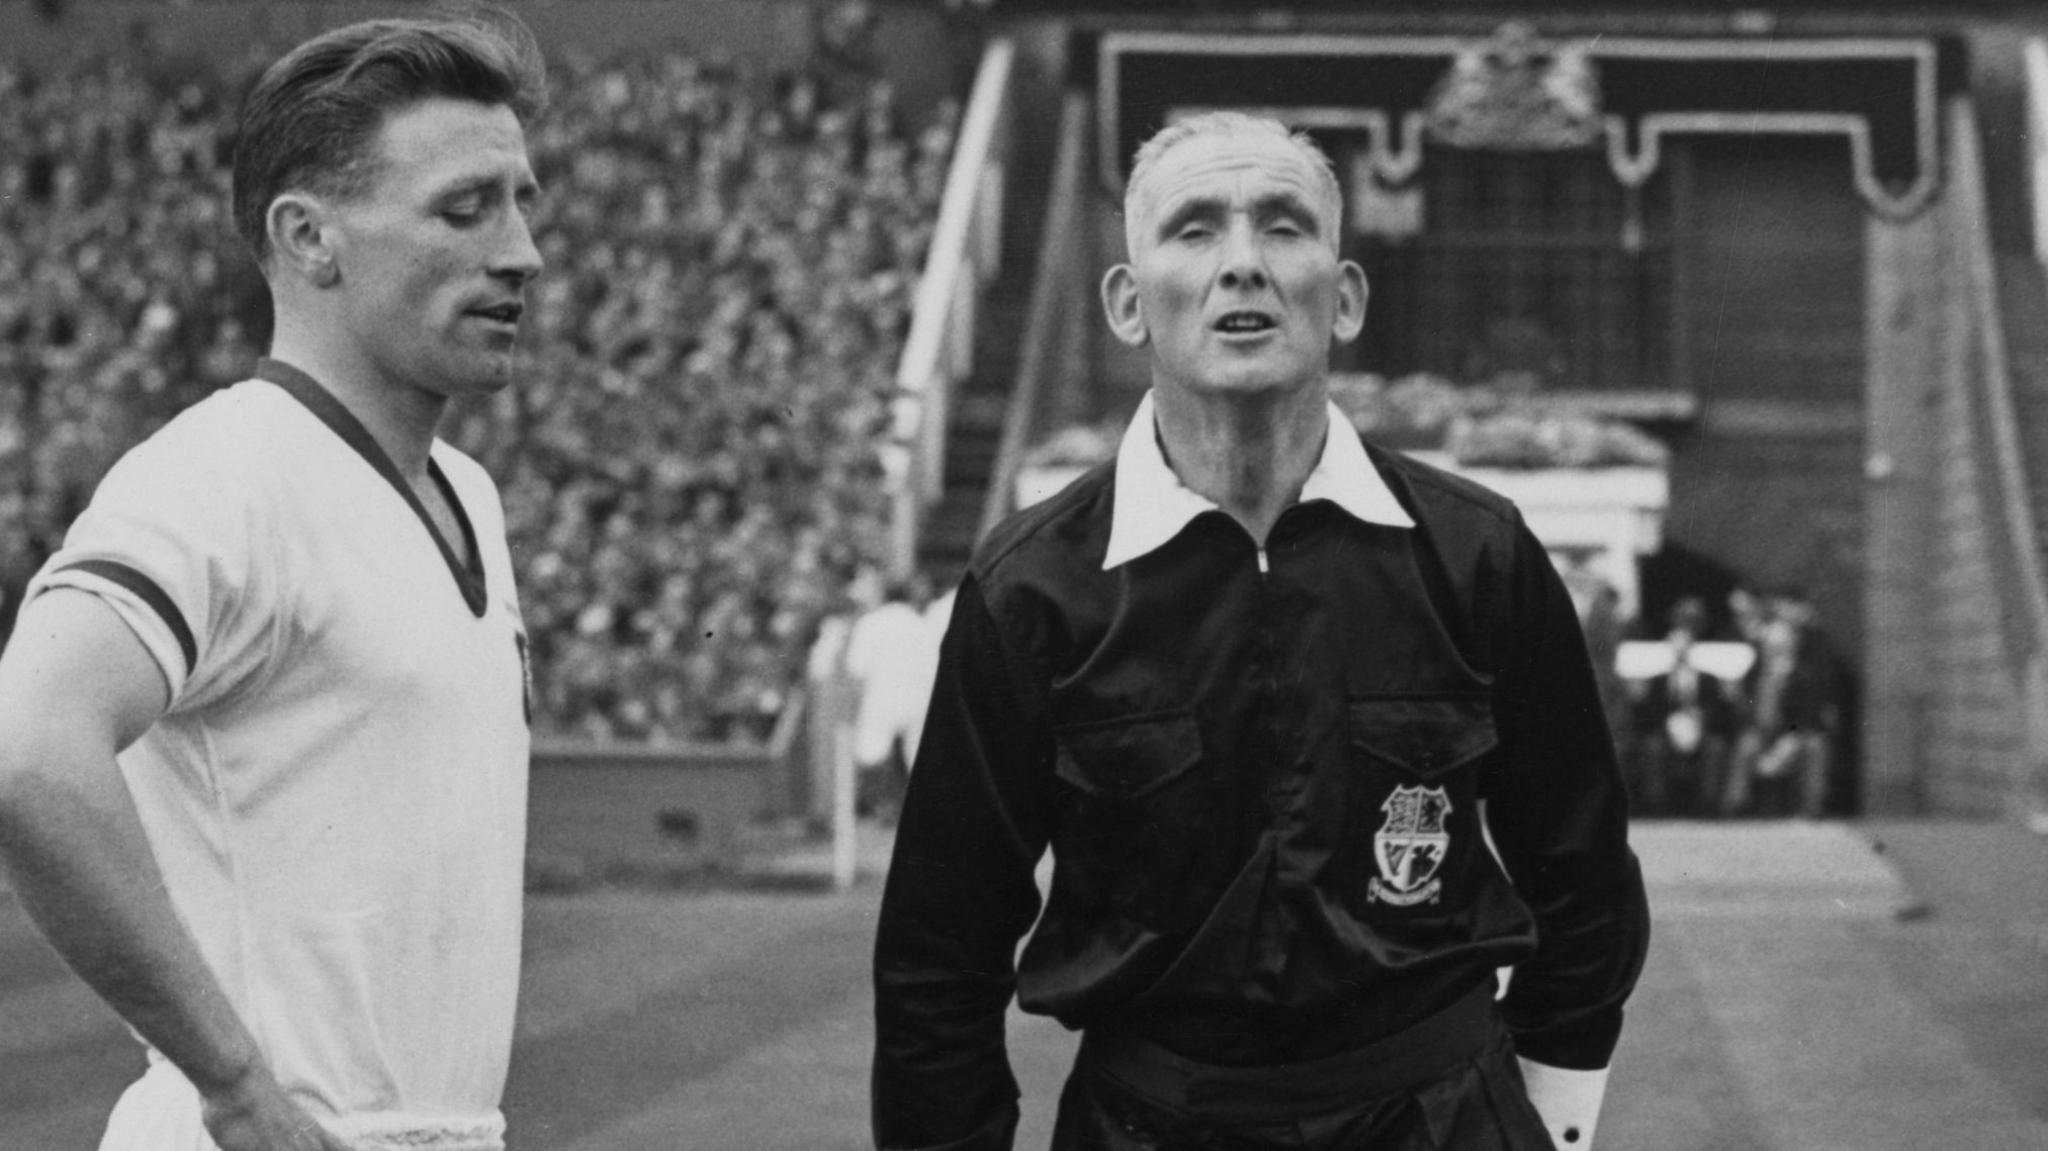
x: 470, y: 578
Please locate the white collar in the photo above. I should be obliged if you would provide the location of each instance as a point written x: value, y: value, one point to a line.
x: 1151, y: 505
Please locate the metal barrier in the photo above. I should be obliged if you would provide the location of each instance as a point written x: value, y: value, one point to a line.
x: 965, y: 255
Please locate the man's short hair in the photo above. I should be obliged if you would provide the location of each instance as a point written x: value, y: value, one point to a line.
x: 1224, y: 124
x: 311, y: 122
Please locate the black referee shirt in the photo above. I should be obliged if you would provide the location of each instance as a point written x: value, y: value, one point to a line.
x: 1261, y: 776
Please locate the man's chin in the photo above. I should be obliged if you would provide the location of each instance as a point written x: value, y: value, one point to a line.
x: 487, y: 374
x: 1251, y: 371
x: 1253, y: 385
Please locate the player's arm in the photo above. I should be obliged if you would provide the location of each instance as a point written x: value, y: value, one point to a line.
x: 1557, y: 811
x: 960, y: 894
x: 76, y: 686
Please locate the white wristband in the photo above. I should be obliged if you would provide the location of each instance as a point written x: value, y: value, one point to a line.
x: 1568, y: 1101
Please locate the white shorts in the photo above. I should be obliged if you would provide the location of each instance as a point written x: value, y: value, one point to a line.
x: 160, y: 1112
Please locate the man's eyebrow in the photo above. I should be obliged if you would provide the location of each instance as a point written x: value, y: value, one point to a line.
x: 463, y: 186
x: 1290, y: 205
x: 485, y: 182
x: 1199, y: 207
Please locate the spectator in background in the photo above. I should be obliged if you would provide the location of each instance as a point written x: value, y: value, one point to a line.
x: 1747, y: 615
x: 843, y: 39
x: 1685, y: 722
x: 1598, y: 604
x: 834, y: 700
x: 892, y: 656
x: 1785, y: 760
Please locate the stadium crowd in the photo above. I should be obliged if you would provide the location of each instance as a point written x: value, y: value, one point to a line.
x: 691, y: 463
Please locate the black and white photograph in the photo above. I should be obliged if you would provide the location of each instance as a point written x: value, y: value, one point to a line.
x: 998, y: 575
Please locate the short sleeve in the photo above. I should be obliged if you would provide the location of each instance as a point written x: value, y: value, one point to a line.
x: 170, y: 543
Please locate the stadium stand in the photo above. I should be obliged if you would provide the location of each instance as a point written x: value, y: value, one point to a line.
x: 691, y: 464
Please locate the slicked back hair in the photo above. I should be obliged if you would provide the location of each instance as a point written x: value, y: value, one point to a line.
x: 1223, y: 124
x: 311, y: 122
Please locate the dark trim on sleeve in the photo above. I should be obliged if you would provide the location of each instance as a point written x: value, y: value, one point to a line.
x: 148, y: 592
x: 469, y: 578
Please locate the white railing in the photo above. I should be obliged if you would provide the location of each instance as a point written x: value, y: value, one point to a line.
x: 1057, y: 311
x: 2035, y: 685
x: 2037, y: 140
x: 2017, y: 545
x: 965, y: 254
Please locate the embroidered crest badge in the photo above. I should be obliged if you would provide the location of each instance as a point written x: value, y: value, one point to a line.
x: 1410, y: 846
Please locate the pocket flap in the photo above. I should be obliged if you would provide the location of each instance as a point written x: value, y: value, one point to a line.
x: 1423, y: 736
x: 1126, y: 759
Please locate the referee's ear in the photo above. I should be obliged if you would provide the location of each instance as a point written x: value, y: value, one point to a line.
x: 300, y: 243
x: 1121, y: 304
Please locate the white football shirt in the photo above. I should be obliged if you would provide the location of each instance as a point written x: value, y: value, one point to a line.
x: 337, y: 793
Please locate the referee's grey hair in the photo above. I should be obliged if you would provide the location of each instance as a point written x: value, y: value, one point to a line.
x: 1224, y: 124
x: 312, y: 120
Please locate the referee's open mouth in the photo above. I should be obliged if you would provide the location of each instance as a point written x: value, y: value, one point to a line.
x: 1245, y: 325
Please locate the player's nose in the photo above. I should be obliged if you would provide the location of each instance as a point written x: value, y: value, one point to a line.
x: 518, y: 258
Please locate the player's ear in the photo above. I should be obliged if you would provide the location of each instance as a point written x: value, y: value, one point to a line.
x: 1352, y: 292
x: 301, y: 238
x: 1121, y: 305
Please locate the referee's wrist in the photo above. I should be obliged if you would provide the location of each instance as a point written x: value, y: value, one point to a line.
x: 1568, y: 1101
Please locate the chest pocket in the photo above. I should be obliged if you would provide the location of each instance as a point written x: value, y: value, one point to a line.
x: 1135, y: 833
x: 1128, y: 759
x: 1423, y: 736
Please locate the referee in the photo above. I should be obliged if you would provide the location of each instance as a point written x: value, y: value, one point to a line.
x: 1310, y: 730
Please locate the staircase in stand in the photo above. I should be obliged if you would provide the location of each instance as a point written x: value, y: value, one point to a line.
x: 979, y: 404
x: 975, y: 430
